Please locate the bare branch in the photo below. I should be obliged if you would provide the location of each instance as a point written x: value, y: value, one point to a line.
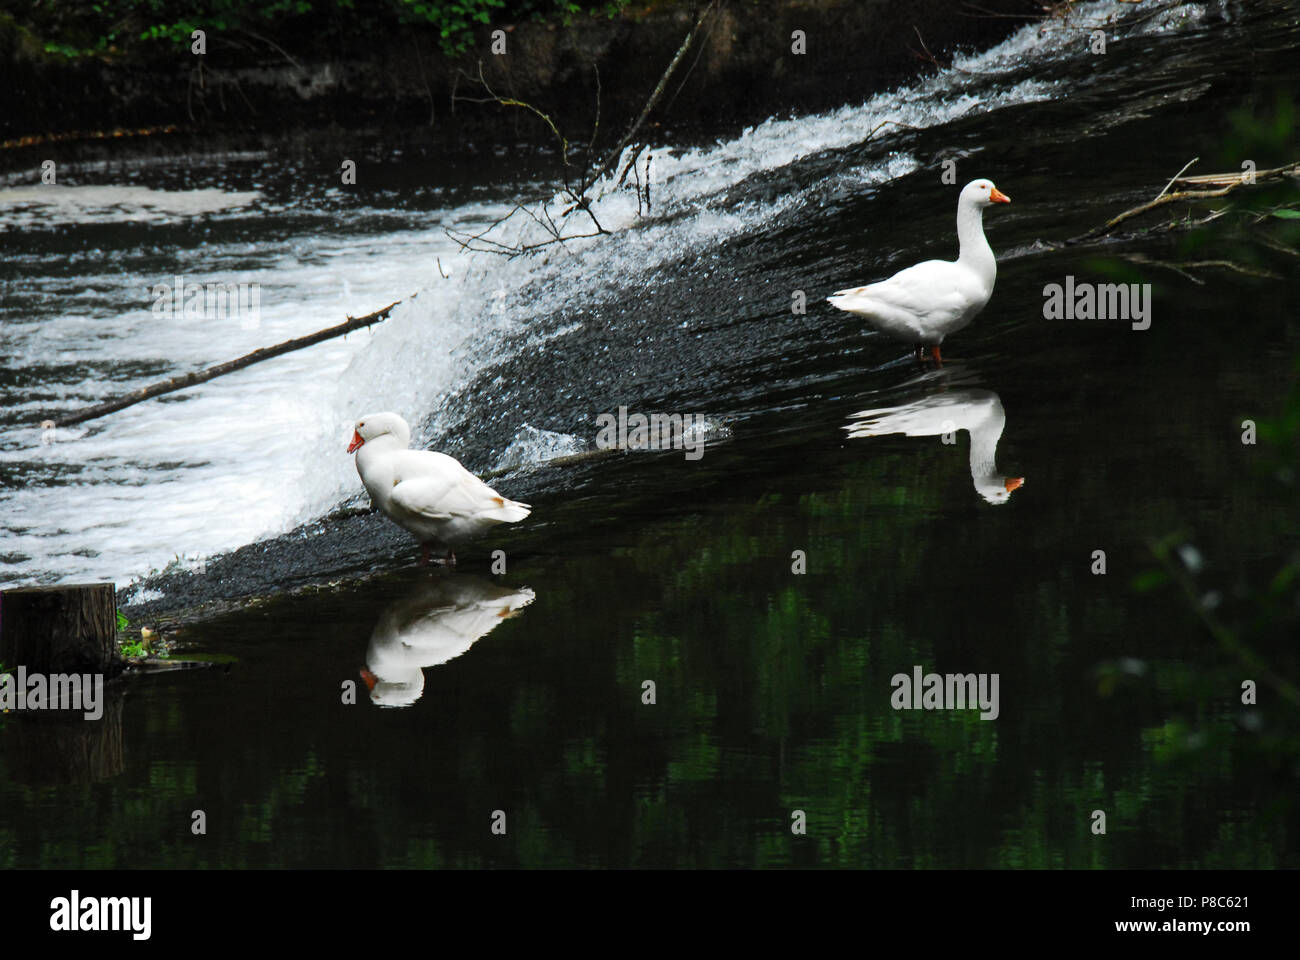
x: 202, y: 376
x: 1174, y: 178
x: 1225, y: 182
x: 614, y: 154
x: 578, y: 194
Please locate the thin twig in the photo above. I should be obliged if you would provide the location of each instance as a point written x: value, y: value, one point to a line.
x: 424, y: 79
x: 932, y: 59
x: 1200, y: 265
x: 987, y: 14
x: 1139, y: 258
x: 578, y: 194
x: 1174, y: 178
x: 1229, y: 181
x: 1167, y: 198
x: 691, y: 69
x: 614, y: 154
x: 273, y: 44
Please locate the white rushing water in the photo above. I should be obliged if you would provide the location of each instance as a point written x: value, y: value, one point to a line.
x: 258, y: 452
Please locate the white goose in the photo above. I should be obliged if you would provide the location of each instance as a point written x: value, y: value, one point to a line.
x: 427, y: 494
x: 977, y: 411
x: 924, y: 303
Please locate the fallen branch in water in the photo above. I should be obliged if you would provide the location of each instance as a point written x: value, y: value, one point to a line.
x: 576, y: 191
x: 1225, y: 183
x: 612, y: 157
x: 202, y: 376
x: 1183, y: 268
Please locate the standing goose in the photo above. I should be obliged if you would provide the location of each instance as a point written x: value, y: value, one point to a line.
x: 427, y: 494
x: 924, y: 303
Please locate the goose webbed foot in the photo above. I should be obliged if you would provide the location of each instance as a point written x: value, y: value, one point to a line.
x: 926, y: 355
x: 426, y: 558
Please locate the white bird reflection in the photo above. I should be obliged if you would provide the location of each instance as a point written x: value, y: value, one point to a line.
x: 439, y: 620
x: 979, y: 412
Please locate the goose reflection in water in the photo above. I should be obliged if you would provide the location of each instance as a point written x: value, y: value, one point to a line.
x: 436, y: 622
x: 979, y: 412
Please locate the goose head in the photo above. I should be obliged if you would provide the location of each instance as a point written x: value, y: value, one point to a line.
x: 375, y: 425
x: 982, y: 193
x: 997, y: 489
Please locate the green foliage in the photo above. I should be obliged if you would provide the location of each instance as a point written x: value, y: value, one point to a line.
x: 455, y: 21
x: 106, y: 28
x: 136, y: 647
x: 1266, y: 135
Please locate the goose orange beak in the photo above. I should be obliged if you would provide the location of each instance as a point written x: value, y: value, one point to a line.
x: 369, y: 678
x: 356, y: 441
x: 997, y: 196
x: 1014, y: 483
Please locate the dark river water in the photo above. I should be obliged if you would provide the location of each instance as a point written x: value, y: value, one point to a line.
x: 770, y: 590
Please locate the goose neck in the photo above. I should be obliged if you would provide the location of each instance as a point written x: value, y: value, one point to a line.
x: 975, y: 250
x: 377, y: 448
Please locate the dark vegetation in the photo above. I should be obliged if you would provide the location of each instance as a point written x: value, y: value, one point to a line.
x: 117, y: 28
x: 409, y: 73
x: 1249, y: 612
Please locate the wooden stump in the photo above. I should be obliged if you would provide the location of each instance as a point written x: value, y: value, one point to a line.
x: 69, y: 629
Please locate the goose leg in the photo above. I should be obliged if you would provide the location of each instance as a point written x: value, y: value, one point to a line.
x: 919, y: 353
x: 934, y: 353
x: 424, y: 561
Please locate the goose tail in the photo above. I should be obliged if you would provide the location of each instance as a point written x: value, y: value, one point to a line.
x: 853, y: 301
x: 507, y: 511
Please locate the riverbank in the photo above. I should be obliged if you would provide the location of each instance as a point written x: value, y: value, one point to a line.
x: 749, y: 61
